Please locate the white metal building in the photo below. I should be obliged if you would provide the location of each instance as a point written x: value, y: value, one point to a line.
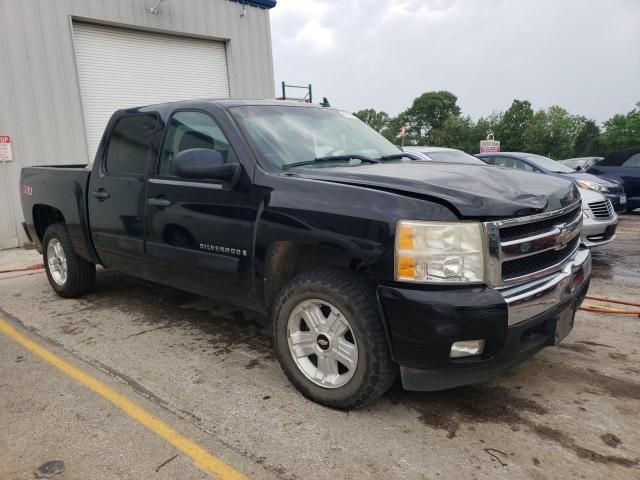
x: 66, y: 65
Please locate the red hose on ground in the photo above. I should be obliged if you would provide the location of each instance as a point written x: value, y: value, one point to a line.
x: 37, y: 266
x: 603, y: 309
x: 610, y: 300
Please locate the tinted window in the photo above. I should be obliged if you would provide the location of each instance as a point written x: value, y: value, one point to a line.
x: 548, y: 163
x: 190, y: 130
x: 507, y: 162
x: 130, y: 145
x: 632, y: 161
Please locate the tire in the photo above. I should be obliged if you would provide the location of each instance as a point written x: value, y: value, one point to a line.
x: 342, y: 295
x: 70, y: 275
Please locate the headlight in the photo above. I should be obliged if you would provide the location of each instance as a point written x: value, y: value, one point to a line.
x: 592, y: 186
x: 439, y: 252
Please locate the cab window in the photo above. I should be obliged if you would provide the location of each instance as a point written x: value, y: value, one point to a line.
x: 632, y: 161
x: 186, y: 130
x: 130, y: 145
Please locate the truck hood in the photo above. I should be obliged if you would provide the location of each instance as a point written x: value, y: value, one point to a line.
x: 475, y: 191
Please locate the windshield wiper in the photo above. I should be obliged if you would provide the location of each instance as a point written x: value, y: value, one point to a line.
x: 397, y: 156
x: 335, y: 158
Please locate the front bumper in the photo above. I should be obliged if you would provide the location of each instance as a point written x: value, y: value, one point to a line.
x: 596, y: 232
x: 515, y: 323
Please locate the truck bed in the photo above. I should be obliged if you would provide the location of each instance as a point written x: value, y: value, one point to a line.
x: 59, y: 190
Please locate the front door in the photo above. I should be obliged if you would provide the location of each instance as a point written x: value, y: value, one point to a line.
x: 199, y: 234
x: 117, y: 191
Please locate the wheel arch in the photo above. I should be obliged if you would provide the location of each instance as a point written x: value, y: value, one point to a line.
x: 45, y: 216
x: 285, y: 260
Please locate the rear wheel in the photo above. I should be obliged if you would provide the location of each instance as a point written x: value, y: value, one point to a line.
x: 330, y: 340
x: 69, y: 274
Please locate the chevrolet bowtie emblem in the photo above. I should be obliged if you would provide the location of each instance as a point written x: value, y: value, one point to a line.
x: 563, y: 238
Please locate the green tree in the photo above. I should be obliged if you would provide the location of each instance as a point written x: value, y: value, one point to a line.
x: 587, y: 140
x: 563, y: 129
x: 622, y: 131
x: 553, y: 132
x: 537, y: 137
x: 512, y: 127
x: 434, y: 119
x: 429, y: 112
x: 378, y: 120
x: 455, y: 132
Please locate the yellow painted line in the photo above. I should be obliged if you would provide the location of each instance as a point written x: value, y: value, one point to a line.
x: 205, y: 460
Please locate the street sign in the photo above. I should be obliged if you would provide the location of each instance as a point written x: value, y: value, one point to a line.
x: 5, y: 149
x: 489, y: 146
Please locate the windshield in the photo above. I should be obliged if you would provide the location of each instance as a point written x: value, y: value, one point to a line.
x: 285, y: 135
x: 453, y: 156
x: 549, y: 164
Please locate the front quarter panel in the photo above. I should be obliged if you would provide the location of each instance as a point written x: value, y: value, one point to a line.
x: 356, y: 221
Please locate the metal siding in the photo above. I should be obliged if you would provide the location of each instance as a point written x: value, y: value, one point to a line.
x: 41, y: 105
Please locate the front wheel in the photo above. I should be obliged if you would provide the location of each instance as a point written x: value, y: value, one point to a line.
x: 330, y: 340
x: 69, y: 274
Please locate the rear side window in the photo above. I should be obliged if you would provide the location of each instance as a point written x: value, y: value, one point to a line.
x: 520, y: 165
x: 130, y: 145
x: 506, y: 162
x: 632, y: 161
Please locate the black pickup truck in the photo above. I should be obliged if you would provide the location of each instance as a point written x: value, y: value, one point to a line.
x: 369, y: 261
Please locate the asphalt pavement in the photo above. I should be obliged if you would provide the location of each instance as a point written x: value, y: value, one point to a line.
x: 207, y: 372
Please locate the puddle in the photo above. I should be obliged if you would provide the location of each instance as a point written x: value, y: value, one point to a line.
x: 621, y: 258
x: 447, y: 410
x: 157, y: 307
x: 451, y: 409
x: 577, y: 347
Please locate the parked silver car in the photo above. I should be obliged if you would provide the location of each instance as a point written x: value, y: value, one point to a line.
x: 599, y: 220
x: 444, y: 155
x: 580, y: 164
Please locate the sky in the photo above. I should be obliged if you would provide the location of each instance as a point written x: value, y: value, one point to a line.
x: 583, y: 55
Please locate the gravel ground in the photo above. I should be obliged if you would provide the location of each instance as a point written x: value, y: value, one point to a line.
x: 208, y: 370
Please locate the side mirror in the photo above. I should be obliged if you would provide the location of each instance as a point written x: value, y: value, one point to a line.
x: 206, y: 164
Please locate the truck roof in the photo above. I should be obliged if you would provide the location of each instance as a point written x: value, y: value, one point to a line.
x: 231, y: 102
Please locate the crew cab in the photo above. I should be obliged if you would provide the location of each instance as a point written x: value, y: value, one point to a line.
x: 370, y: 262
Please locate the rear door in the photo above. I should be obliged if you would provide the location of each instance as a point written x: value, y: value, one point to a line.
x: 199, y: 234
x: 117, y: 190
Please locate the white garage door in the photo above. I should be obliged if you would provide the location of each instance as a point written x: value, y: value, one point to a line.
x: 120, y: 68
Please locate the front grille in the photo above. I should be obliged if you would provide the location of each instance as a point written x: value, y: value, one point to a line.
x: 540, y: 261
x: 528, y: 229
x: 525, y: 248
x: 601, y: 210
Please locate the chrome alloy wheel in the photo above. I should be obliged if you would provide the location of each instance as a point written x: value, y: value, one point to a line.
x: 57, y: 261
x: 322, y: 343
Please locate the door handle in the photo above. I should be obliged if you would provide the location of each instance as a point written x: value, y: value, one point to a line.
x: 159, y: 202
x: 100, y: 194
